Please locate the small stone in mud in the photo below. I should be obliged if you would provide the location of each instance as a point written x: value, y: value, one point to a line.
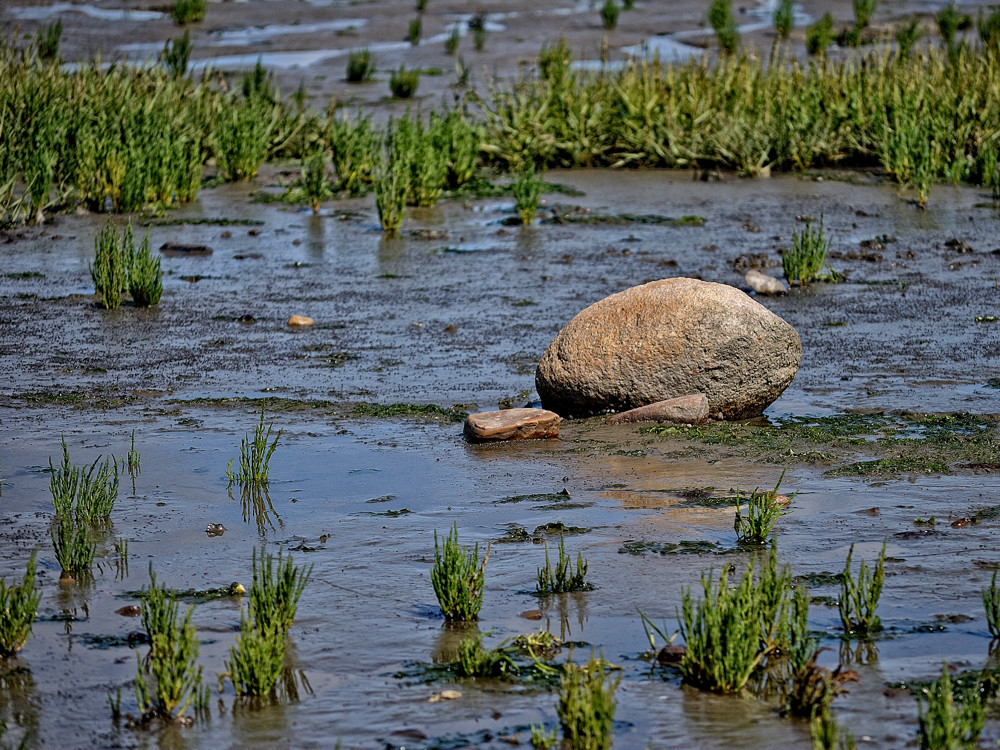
x: 444, y: 695
x: 300, y: 320
x: 254, y: 232
x: 246, y: 319
x: 958, y: 246
x: 670, y: 654
x: 531, y: 614
x: 215, y: 529
x: 511, y: 424
x: 174, y: 249
x: 226, y: 235
x: 746, y: 261
x: 692, y: 409
x: 131, y: 610
x: 764, y: 284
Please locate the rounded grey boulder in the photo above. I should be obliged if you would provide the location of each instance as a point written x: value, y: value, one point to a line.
x: 665, y: 339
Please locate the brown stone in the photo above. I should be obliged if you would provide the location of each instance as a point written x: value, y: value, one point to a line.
x: 173, y: 249
x: 511, y: 424
x: 666, y: 339
x: 691, y: 409
x: 300, y: 320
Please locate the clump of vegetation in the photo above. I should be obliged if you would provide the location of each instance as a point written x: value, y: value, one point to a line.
x: 414, y: 31
x: 563, y: 578
x: 827, y: 734
x: 609, y: 14
x: 907, y: 36
x: 177, y: 54
x: 477, y: 25
x: 84, y: 494
x: 392, y: 184
x: 784, y: 15
x: 46, y: 41
x: 145, y: 278
x: 360, y: 65
x: 255, y: 456
x: 458, y: 577
x: 452, y: 40
x: 527, y: 189
x: 819, y: 36
x: 804, y: 263
x: 948, y: 720
x: 74, y: 546
x: 403, y: 83
x: 720, y: 17
x: 859, y: 596
x: 763, y: 511
x: 255, y: 662
x: 991, y: 603
x: 173, y: 657
x: 110, y: 269
x: 188, y: 11
x: 474, y: 660
x: 586, y: 706
x: 731, y: 630
x: 355, y: 148
x: 242, y: 133
x: 315, y: 186
x: 863, y: 12
x: 18, y: 604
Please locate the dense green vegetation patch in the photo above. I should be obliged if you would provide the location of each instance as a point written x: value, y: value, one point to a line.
x: 866, y: 444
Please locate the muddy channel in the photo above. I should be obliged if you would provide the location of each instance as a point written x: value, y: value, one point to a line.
x: 455, y: 313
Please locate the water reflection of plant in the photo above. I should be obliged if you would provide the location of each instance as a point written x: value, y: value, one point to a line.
x: 950, y: 718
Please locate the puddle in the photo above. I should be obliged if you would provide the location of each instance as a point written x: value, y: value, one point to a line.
x: 41, y: 13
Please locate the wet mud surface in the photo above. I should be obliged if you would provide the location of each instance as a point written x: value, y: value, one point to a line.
x: 455, y: 313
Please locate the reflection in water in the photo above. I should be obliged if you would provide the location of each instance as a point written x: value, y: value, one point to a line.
x: 256, y: 503
x: 73, y: 601
x: 861, y: 652
x: 565, y: 606
x: 445, y: 649
x: 20, y: 706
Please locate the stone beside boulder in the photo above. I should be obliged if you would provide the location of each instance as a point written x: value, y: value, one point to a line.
x: 764, y: 284
x: 691, y: 409
x: 300, y: 320
x: 667, y: 339
x: 511, y: 424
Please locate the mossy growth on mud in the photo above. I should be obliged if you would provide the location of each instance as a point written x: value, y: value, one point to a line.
x: 857, y: 444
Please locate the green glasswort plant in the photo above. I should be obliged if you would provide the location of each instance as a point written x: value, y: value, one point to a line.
x: 173, y: 656
x: 564, y: 578
x: 255, y: 662
x: 392, y: 183
x: 949, y: 721
x: 804, y: 262
x: 474, y: 660
x: 542, y: 739
x: 819, y: 36
x: 355, y: 148
x: 586, y: 706
x: 314, y: 183
x: 763, y: 511
x: 414, y: 33
x: 134, y: 460
x: 74, y: 546
x: 46, y: 40
x: 859, y: 596
x: 255, y: 456
x: 907, y: 36
x: 720, y: 17
x: 145, y: 279
x: 109, y: 271
x: 458, y: 577
x: 477, y: 25
x: 242, y: 136
x: 451, y: 41
x: 188, y: 11
x: 784, y: 15
x: 991, y: 603
x: 403, y: 83
x: 86, y: 495
x: 176, y: 54
x: 527, y: 189
x: 18, y: 604
x: 863, y: 12
x: 730, y: 631
x: 609, y: 14
x: 360, y: 65
x: 827, y: 734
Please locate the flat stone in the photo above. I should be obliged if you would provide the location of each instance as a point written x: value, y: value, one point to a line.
x: 178, y: 248
x: 764, y: 284
x: 691, y: 409
x: 300, y: 320
x: 511, y: 424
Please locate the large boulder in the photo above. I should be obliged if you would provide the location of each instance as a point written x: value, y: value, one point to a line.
x: 665, y: 339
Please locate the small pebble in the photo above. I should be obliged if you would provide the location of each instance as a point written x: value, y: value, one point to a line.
x: 300, y: 320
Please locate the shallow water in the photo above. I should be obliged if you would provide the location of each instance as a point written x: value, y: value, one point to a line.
x: 384, y: 312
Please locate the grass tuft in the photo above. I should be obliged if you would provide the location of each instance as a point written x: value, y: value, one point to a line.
x: 804, y: 263
x: 18, y: 604
x: 763, y: 511
x: 360, y: 66
x: 586, y: 706
x: 859, y: 596
x: 563, y: 578
x: 188, y: 11
x: 949, y: 721
x: 458, y: 578
x: 255, y: 456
